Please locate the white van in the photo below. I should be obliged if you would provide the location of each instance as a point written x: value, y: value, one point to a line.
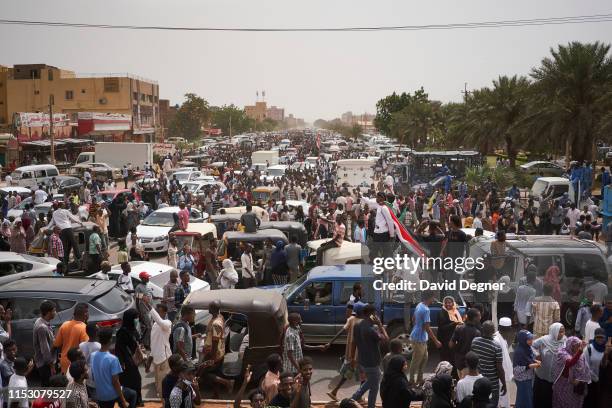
x: 355, y: 172
x: 551, y: 186
x: 30, y: 176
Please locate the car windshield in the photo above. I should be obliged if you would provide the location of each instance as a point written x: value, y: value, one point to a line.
x: 159, y: 219
x: 34, y: 259
x: 191, y: 187
x: 276, y: 172
x: 182, y: 176
x: 103, y: 197
x: 23, y: 203
x: 538, y: 188
x: 16, y: 175
x: 289, y: 289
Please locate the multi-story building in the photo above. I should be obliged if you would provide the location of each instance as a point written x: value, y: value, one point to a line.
x: 347, y: 117
x: 166, y: 114
x: 33, y: 87
x: 275, y: 113
x: 257, y: 111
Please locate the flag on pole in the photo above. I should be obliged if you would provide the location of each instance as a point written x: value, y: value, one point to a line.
x: 405, y: 237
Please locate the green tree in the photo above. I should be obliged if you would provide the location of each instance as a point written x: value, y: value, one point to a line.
x: 190, y: 118
x: 354, y: 132
x: 395, y: 103
x: 226, y: 114
x: 574, y: 98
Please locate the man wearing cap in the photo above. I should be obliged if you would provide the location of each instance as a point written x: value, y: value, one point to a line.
x: 144, y: 296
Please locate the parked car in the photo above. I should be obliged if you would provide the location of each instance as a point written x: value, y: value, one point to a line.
x: 543, y: 168
x: 17, y: 212
x: 14, y: 266
x: 153, y: 230
x: 106, y: 301
x: 160, y: 275
x: 68, y: 184
x: 185, y: 176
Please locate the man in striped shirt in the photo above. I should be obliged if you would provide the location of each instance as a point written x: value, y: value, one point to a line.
x: 545, y: 311
x: 490, y: 360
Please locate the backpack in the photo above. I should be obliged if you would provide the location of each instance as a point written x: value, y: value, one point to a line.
x: 181, y: 324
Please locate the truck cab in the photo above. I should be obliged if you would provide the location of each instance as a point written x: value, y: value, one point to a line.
x: 321, y: 295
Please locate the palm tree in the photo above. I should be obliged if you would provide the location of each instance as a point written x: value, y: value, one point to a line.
x: 574, y: 97
x: 491, y: 116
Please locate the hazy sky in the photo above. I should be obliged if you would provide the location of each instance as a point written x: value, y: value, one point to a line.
x: 310, y: 74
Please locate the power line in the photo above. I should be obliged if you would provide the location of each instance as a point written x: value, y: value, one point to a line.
x: 595, y: 18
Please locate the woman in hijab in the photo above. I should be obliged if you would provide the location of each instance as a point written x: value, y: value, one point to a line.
x: 128, y: 351
x: 595, y: 353
x: 448, y: 318
x: 5, y: 235
x: 17, y: 239
x: 442, y: 386
x: 547, y: 348
x: 443, y: 368
x: 524, y: 363
x: 571, y: 375
x: 552, y: 277
x: 228, y: 277
x: 278, y: 264
x: 394, y: 389
x: 480, y: 397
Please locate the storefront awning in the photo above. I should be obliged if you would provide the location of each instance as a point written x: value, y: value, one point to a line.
x: 42, y: 143
x: 77, y: 141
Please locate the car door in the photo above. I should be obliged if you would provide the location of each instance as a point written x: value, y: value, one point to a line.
x: 314, y: 302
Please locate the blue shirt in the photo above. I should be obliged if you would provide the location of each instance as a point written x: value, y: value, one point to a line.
x: 104, y: 366
x: 421, y: 316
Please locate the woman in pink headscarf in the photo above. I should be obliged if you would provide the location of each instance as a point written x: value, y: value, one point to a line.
x: 571, y: 374
x: 552, y: 277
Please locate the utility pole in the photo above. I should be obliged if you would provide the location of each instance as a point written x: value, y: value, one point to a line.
x: 51, y: 129
x: 465, y: 92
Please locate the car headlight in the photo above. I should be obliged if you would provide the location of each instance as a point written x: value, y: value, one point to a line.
x: 158, y: 239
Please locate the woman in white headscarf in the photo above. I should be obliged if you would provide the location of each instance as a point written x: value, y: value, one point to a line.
x: 228, y: 277
x: 547, y: 347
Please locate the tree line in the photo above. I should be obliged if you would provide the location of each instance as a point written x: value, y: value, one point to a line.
x: 563, y: 107
x: 195, y: 114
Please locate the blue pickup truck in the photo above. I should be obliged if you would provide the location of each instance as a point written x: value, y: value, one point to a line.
x: 321, y: 295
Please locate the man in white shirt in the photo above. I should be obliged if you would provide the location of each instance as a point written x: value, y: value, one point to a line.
x: 573, y: 214
x: 466, y: 384
x: 593, y: 323
x: 248, y: 272
x: 40, y: 196
x: 125, y: 280
x: 62, y: 218
x: 384, y: 230
x: 477, y: 223
x: 18, y: 380
x: 160, y: 342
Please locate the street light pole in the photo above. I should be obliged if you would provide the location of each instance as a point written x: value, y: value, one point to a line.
x: 51, y: 129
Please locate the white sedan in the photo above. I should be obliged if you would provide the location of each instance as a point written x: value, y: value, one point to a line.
x: 153, y: 230
x: 160, y: 275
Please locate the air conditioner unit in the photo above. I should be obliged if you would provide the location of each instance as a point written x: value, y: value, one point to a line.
x: 103, y: 101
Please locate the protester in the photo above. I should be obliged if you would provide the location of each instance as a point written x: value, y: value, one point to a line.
x: 72, y: 333
x: 465, y: 385
x: 571, y: 374
x: 419, y: 336
x: 395, y: 391
x: 44, y: 356
x: 443, y: 368
x: 448, y: 319
x: 490, y: 359
x: 524, y: 363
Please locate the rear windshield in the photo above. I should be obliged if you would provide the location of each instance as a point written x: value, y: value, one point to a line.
x: 113, y: 301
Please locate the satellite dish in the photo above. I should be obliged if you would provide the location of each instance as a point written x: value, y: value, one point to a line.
x: 504, y: 281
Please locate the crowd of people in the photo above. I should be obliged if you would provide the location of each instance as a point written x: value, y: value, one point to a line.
x: 478, y: 359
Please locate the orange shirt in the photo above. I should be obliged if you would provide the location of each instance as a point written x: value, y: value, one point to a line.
x: 70, y: 334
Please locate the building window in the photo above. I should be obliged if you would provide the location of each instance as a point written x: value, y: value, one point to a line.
x: 36, y: 92
x: 50, y: 74
x: 34, y: 74
x: 69, y: 95
x: 135, y: 96
x: 143, y: 97
x: 111, y: 84
x: 82, y: 91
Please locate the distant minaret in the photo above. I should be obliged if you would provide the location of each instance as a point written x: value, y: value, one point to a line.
x: 257, y: 96
x: 263, y: 96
